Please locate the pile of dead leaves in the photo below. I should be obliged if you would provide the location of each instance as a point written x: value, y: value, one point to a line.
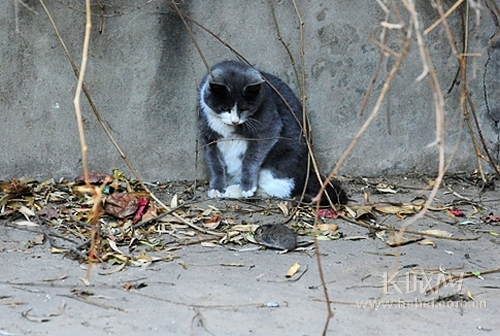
x: 136, y: 228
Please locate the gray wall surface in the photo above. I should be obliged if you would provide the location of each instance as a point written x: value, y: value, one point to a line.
x: 144, y: 69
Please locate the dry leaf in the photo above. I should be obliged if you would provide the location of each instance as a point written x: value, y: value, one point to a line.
x: 228, y: 236
x: 174, y: 202
x: 237, y: 239
x: 15, y: 187
x: 405, y: 209
x: 244, y: 228
x: 251, y: 238
x: 358, y: 211
x: 355, y: 238
x: 94, y: 178
x: 178, y: 226
x: 384, y: 188
x: 209, y: 244
x: 11, y: 303
x: 427, y: 242
x: 85, y: 281
x: 381, y: 235
x: 139, y: 194
x: 139, y: 263
x: 49, y: 212
x: 39, y: 239
x: 438, y: 233
x: 26, y: 212
x: 168, y: 257
x: 395, y: 239
x: 233, y: 264
x: 284, y: 208
x: 328, y: 227
x: 25, y: 223
x: 213, y: 222
x: 142, y: 260
x: 206, y: 212
x: 351, y: 212
x: 294, y: 269
x: 366, y: 196
x: 61, y: 277
x: 365, y: 211
x: 468, y: 293
x: 121, y: 205
x: 6, y: 212
x: 437, y: 207
x: 113, y: 246
x: 170, y: 219
x: 130, y: 285
x: 114, y: 258
x: 57, y: 250
x: 152, y: 212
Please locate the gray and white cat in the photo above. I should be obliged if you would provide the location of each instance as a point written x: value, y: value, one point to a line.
x: 253, y: 142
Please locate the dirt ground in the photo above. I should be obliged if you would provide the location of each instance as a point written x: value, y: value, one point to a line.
x: 232, y: 289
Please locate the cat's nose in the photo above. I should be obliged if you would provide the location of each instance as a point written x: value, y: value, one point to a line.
x: 235, y: 120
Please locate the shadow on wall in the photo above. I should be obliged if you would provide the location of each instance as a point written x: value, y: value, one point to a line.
x: 167, y: 85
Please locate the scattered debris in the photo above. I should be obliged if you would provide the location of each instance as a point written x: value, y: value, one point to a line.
x: 294, y: 269
x: 135, y: 230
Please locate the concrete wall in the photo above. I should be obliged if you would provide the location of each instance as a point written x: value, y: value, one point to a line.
x: 144, y: 70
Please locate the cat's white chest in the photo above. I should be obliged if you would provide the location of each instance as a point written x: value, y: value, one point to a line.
x: 232, y: 147
x: 233, y: 150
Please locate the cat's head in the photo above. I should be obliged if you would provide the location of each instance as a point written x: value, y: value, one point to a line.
x: 234, y: 91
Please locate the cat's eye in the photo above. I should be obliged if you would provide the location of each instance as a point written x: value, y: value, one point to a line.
x: 225, y: 108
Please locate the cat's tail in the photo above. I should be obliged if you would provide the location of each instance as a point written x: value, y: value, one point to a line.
x: 334, y: 190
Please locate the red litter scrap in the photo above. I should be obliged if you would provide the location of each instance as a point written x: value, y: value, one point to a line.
x: 457, y: 212
x: 143, y: 204
x: 491, y: 218
x: 328, y: 213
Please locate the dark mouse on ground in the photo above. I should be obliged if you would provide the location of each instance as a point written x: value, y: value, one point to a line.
x: 276, y: 236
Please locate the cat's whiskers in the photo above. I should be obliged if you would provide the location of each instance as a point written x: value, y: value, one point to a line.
x: 255, y: 120
x: 250, y: 124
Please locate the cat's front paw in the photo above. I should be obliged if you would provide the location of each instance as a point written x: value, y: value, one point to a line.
x: 249, y: 193
x: 214, y: 193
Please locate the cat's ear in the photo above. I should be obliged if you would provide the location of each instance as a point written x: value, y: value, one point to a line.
x: 217, y: 88
x: 253, y: 89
